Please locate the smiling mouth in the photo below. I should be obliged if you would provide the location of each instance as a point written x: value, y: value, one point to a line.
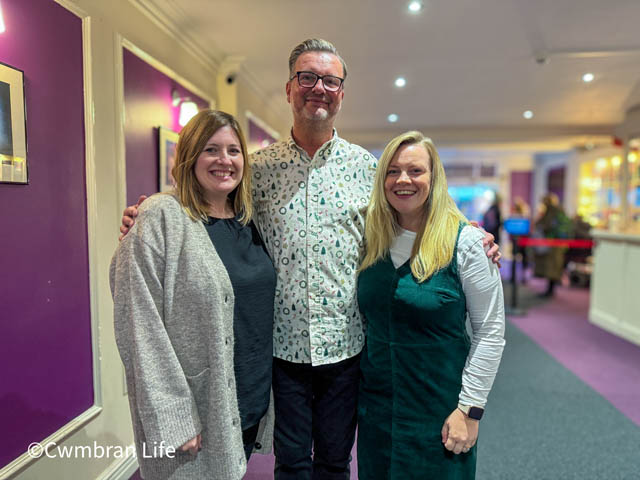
x: 220, y: 173
x: 404, y: 193
x: 317, y: 100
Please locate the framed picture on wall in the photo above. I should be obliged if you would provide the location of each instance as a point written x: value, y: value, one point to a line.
x: 168, y: 141
x: 13, y: 129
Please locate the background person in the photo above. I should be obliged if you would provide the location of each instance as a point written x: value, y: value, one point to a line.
x: 424, y: 383
x: 190, y: 278
x: 492, y: 218
x: 552, y: 222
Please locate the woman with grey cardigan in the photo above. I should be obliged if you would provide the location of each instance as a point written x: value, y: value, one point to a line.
x: 193, y: 292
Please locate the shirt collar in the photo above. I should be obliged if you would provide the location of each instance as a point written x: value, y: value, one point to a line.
x: 325, y: 149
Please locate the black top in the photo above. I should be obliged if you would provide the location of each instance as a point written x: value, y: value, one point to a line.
x: 253, y: 278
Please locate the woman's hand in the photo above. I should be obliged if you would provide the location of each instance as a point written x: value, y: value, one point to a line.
x: 193, y: 446
x: 459, y: 432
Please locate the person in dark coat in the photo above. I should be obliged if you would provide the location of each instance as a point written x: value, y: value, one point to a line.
x: 492, y: 219
x: 552, y: 222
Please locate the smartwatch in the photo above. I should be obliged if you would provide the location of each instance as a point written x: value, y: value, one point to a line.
x: 475, y: 413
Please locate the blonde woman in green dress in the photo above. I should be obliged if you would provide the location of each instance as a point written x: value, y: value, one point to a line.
x: 424, y: 381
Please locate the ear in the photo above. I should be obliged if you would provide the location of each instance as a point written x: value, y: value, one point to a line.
x: 288, y: 90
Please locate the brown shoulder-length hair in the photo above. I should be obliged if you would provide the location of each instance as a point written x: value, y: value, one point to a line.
x: 193, y: 138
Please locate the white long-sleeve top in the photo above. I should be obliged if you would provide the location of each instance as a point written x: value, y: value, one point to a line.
x: 482, y: 288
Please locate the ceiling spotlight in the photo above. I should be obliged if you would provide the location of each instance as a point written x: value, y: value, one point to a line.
x: 400, y: 82
x: 528, y: 114
x: 392, y: 118
x: 415, y: 6
x: 588, y: 77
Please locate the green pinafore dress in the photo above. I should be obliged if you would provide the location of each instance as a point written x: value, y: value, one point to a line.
x: 411, y: 373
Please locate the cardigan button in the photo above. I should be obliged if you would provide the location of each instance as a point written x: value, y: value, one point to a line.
x: 258, y: 446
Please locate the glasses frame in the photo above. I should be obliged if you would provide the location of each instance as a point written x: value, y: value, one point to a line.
x: 318, y: 77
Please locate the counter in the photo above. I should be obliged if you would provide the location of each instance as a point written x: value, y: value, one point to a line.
x: 615, y: 284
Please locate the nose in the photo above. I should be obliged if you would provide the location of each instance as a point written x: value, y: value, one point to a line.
x: 224, y: 157
x: 318, y: 87
x: 404, y: 178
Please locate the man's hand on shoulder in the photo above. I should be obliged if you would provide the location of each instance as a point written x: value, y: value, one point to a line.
x: 489, y: 241
x: 129, y: 217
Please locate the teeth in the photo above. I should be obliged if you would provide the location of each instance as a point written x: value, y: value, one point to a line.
x: 221, y: 174
x: 405, y: 192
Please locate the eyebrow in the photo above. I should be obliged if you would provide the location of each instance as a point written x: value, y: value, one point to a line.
x: 214, y: 144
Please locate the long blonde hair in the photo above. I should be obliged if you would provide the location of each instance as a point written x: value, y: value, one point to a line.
x: 193, y: 138
x: 435, y: 242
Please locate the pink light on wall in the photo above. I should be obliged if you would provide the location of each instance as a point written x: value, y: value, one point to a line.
x: 2, y: 28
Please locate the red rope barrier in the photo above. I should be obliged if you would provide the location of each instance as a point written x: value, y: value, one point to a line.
x: 554, y: 242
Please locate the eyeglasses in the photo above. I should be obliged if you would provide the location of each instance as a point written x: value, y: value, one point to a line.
x: 309, y: 80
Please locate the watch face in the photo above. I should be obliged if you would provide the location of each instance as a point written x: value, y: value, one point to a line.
x: 475, y: 413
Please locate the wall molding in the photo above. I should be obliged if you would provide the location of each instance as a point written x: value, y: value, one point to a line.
x: 161, y: 67
x: 162, y: 13
x: 57, y: 437
x: 92, y: 207
x: 120, y: 117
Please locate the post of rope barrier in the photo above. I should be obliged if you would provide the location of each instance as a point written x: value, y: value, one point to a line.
x: 516, y: 228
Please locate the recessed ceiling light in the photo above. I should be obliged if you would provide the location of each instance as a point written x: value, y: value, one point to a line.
x: 528, y: 114
x: 588, y: 77
x: 400, y: 82
x: 415, y: 6
x: 393, y: 118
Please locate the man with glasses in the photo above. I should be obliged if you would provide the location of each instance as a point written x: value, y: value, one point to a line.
x: 310, y: 193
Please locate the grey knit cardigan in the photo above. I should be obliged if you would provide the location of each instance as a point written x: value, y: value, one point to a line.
x: 173, y: 314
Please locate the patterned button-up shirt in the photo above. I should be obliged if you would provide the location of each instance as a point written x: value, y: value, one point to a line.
x: 310, y: 212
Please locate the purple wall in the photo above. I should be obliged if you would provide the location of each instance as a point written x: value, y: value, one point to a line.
x: 147, y: 99
x: 259, y: 136
x: 555, y: 182
x: 46, y: 374
x: 521, y: 186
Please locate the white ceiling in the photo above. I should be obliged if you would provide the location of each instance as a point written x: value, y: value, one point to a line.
x: 472, y: 66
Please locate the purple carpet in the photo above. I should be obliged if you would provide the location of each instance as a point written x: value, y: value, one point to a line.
x: 608, y: 364
x: 261, y: 467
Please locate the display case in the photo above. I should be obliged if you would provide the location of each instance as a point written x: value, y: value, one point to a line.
x: 599, y: 191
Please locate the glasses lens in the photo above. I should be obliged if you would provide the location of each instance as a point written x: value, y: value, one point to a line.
x: 331, y: 83
x: 307, y: 79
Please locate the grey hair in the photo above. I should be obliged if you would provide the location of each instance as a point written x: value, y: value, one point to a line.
x: 314, y: 45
